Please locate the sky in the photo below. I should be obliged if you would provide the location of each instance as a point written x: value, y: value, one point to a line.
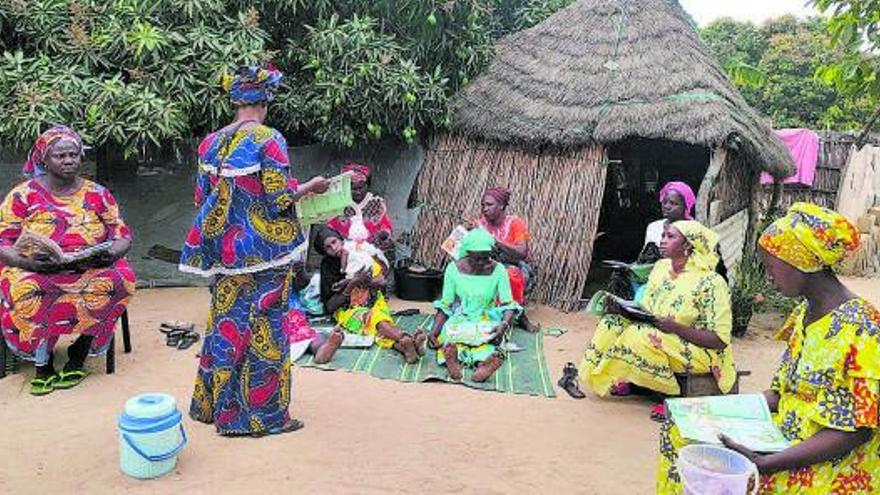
x: 757, y: 11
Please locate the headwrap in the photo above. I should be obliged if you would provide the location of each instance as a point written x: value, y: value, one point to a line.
x: 686, y: 193
x: 479, y: 240
x: 810, y: 238
x: 322, y: 235
x: 357, y: 169
x: 251, y: 85
x: 704, y: 243
x: 500, y: 194
x: 33, y: 167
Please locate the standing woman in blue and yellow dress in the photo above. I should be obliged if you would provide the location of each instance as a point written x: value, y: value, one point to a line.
x: 246, y: 237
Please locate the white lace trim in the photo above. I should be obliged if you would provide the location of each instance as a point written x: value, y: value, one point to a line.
x: 296, y: 255
x: 231, y: 172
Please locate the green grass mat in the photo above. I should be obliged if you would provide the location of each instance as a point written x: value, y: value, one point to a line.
x: 523, y: 372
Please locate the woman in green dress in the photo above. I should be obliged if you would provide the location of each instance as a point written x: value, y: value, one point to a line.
x: 475, y: 311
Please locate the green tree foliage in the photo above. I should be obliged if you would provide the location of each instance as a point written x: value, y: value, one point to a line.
x: 775, y: 67
x: 143, y: 74
x: 854, y: 27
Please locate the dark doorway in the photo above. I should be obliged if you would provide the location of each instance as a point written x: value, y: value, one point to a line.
x: 638, y: 169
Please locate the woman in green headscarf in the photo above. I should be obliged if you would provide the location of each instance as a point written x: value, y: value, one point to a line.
x: 686, y: 329
x: 475, y: 311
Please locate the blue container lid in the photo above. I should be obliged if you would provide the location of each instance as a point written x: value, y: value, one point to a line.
x: 149, y: 413
x: 150, y: 405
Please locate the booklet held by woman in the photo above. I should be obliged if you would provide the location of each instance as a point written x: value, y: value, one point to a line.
x: 36, y: 246
x: 600, y: 302
x: 745, y: 418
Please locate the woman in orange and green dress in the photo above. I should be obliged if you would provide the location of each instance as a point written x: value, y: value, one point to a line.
x: 512, y: 239
x: 824, y: 396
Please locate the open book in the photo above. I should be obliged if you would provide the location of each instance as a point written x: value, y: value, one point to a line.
x: 36, y: 246
x: 600, y: 301
x: 452, y: 243
x: 745, y: 418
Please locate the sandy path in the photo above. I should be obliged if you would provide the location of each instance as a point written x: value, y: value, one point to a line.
x: 363, y: 435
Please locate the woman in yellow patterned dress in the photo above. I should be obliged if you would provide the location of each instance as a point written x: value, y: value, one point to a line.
x: 687, y: 330
x: 825, y: 395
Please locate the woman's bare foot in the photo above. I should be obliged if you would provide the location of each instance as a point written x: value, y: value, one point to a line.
x: 328, y: 349
x: 420, y: 339
x: 450, y: 353
x: 487, y: 367
x: 406, y: 346
x: 527, y: 324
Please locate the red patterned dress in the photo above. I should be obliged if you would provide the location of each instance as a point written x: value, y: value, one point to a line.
x: 513, y: 230
x: 38, y: 308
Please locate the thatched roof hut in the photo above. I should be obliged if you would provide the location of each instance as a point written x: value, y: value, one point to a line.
x: 600, y: 78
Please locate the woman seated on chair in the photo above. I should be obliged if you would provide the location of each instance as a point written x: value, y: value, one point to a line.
x: 44, y: 297
x: 512, y: 239
x: 685, y: 327
x: 826, y: 394
x: 476, y: 310
x: 352, y: 285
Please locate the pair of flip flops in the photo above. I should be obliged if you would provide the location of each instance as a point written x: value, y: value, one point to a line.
x: 178, y: 334
x: 63, y: 380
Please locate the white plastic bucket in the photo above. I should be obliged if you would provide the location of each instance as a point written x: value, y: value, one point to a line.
x: 715, y: 470
x: 151, y: 436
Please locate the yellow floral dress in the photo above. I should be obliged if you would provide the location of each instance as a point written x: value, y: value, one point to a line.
x: 829, y: 378
x: 638, y: 353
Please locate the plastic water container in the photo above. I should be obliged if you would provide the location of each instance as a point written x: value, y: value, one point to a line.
x: 150, y: 436
x: 715, y: 470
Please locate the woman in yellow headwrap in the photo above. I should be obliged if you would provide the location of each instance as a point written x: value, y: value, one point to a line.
x: 825, y: 395
x: 686, y: 329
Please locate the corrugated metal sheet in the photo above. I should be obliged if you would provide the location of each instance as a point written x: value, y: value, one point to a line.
x: 732, y: 238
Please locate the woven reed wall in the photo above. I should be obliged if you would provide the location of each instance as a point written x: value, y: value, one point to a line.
x: 558, y: 193
x: 733, y: 188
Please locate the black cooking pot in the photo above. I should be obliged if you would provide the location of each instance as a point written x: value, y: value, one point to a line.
x: 418, y: 285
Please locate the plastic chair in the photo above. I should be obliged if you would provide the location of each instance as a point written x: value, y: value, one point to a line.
x: 111, y: 351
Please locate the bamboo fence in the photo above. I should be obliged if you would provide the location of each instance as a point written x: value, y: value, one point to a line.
x: 834, y: 152
x: 559, y: 193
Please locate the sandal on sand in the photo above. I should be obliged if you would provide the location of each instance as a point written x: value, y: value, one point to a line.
x: 291, y: 426
x: 168, y: 327
x: 568, y: 382
x: 658, y: 412
x: 173, y: 337
x: 43, y: 386
x: 70, y: 378
x: 187, y: 340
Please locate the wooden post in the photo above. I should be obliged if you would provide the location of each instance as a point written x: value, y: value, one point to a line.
x: 719, y: 156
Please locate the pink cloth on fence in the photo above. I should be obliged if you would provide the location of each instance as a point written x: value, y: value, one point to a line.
x: 803, y: 144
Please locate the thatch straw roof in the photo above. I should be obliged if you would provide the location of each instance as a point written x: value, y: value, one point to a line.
x: 607, y: 70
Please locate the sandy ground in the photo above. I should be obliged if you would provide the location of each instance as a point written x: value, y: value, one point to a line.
x: 362, y: 435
